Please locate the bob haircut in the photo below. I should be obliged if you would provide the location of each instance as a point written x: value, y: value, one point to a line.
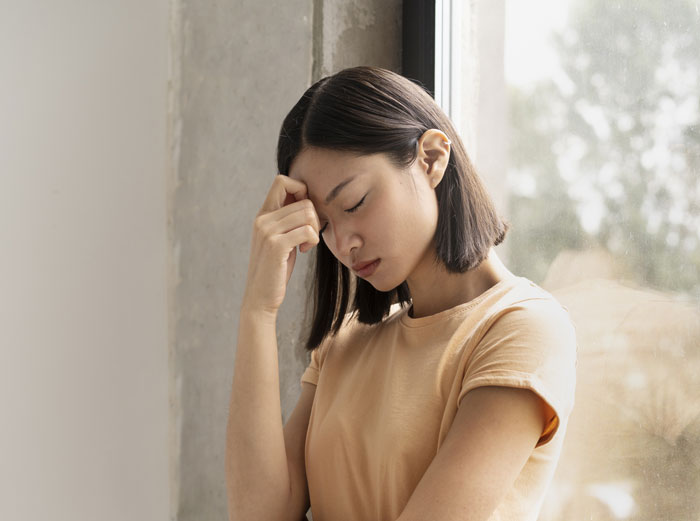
x: 367, y: 110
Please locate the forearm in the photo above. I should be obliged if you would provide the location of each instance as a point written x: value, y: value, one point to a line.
x: 257, y: 475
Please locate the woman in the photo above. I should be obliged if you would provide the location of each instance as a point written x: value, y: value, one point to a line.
x: 440, y: 384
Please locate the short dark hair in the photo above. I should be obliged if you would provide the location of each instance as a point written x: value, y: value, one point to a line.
x: 368, y: 110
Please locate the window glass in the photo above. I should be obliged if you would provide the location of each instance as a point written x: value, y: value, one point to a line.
x: 603, y: 193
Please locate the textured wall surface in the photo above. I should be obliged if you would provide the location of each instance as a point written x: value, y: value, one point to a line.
x: 356, y: 32
x: 237, y: 69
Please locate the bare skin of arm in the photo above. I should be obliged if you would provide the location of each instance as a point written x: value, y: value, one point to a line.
x: 265, y: 473
x: 492, y: 436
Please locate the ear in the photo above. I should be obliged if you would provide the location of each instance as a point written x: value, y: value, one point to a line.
x: 433, y: 155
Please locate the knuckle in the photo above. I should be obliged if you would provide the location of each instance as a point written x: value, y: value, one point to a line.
x: 277, y: 184
x: 273, y: 241
x: 310, y: 214
x: 258, y: 223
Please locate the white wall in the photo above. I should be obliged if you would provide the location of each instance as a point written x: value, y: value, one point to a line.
x: 83, y: 309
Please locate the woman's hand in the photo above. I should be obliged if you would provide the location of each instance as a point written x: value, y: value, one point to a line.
x: 286, y: 220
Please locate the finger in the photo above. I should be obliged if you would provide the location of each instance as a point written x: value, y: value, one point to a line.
x: 305, y: 207
x: 281, y: 188
x: 307, y: 246
x: 304, y: 215
x: 301, y: 235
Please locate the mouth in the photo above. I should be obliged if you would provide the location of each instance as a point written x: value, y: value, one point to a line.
x: 365, y: 269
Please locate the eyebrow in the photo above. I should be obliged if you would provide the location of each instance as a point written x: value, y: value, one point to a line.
x: 334, y: 193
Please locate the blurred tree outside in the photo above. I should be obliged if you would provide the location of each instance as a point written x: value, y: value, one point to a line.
x: 616, y: 134
x: 605, y: 155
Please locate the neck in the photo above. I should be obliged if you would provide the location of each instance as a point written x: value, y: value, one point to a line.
x: 434, y: 289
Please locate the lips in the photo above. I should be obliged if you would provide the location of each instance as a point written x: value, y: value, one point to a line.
x: 365, y: 268
x: 360, y: 265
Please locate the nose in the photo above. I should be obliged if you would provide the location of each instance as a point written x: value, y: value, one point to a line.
x: 342, y: 241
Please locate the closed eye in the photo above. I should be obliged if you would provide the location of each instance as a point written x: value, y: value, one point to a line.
x: 354, y: 208
x: 349, y: 210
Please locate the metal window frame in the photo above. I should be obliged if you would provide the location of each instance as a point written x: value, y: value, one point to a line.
x: 418, y: 42
x: 428, y: 47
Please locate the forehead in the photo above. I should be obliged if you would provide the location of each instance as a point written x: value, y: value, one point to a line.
x: 322, y: 169
x: 314, y: 165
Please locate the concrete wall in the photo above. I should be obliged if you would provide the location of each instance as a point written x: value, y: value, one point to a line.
x: 83, y: 338
x: 237, y: 70
x: 357, y: 32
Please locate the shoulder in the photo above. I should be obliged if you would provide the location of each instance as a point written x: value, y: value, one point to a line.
x: 530, y: 310
x: 527, y: 342
x: 532, y: 333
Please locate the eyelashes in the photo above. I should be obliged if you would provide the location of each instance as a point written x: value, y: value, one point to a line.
x: 349, y: 210
x: 354, y: 208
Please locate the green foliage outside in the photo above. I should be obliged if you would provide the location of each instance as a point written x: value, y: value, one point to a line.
x: 619, y: 127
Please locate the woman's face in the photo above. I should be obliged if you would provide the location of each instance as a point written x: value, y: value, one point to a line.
x: 378, y: 220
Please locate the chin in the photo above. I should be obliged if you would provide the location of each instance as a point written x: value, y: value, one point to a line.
x: 381, y: 282
x: 382, y: 285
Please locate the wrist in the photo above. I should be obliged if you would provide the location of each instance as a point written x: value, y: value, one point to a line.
x: 256, y: 313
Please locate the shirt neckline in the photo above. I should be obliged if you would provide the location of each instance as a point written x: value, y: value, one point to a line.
x: 408, y: 321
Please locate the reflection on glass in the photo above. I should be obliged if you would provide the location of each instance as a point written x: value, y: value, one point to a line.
x: 604, y: 191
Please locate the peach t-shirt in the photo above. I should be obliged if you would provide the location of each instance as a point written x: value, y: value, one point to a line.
x: 387, y: 394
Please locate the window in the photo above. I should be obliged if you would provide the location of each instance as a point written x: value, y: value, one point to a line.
x: 583, y: 118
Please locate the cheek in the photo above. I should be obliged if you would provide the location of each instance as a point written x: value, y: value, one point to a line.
x: 402, y: 219
x: 418, y: 226
x: 388, y: 227
x: 378, y: 223
x: 419, y: 211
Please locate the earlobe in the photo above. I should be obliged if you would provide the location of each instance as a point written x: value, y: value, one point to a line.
x: 435, y: 179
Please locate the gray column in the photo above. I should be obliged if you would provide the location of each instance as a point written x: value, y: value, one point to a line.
x: 356, y: 32
x: 236, y: 70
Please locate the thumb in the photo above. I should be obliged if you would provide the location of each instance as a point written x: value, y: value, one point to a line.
x: 291, y: 260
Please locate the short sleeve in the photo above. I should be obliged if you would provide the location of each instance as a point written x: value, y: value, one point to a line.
x: 530, y: 345
x: 313, y: 370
